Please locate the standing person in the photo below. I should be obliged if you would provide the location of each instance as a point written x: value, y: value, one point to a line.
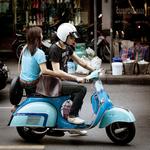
x: 59, y: 54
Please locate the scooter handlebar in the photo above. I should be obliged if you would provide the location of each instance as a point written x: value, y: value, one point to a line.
x: 93, y: 75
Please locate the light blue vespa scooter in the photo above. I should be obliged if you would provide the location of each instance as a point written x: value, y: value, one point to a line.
x: 36, y: 116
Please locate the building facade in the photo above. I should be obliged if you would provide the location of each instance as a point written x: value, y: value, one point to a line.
x: 128, y: 19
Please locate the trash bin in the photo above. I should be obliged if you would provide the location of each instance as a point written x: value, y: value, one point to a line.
x: 129, y: 67
x: 117, y: 68
x: 148, y: 69
x: 143, y: 67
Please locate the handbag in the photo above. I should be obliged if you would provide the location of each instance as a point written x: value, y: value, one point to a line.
x: 49, y: 86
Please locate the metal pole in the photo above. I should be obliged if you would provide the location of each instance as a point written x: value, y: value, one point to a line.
x: 111, y: 46
x: 111, y: 35
x: 14, y: 3
x: 95, y: 26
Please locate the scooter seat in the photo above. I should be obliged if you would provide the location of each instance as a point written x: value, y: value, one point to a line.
x: 49, y: 86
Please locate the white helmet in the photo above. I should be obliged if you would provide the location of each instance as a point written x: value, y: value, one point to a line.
x: 66, y: 29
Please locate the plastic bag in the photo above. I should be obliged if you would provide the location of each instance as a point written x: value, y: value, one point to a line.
x: 82, y: 70
x: 96, y: 62
x: 90, y: 52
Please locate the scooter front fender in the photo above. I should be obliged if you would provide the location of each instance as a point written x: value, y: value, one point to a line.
x: 35, y: 114
x: 116, y: 114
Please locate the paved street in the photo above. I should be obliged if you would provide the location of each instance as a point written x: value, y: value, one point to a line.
x: 134, y: 97
x: 118, y: 33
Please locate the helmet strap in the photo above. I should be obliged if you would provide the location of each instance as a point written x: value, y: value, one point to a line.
x: 62, y: 44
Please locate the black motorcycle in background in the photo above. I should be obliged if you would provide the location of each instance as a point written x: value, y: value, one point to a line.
x: 3, y: 75
x: 103, y: 48
x: 20, y: 41
x: 49, y: 37
x: 87, y: 36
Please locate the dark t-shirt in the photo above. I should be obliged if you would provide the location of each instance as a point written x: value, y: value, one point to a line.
x: 56, y: 54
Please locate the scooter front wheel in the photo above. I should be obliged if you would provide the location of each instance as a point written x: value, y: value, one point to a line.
x: 121, y: 132
x: 31, y: 134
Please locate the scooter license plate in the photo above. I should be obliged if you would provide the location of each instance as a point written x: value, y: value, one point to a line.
x: 33, y: 120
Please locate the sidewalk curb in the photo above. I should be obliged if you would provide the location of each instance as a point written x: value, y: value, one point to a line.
x: 126, y: 79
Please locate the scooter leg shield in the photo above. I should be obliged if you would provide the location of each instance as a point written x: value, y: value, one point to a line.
x: 37, y: 114
x: 116, y: 114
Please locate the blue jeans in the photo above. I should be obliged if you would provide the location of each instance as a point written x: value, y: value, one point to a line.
x: 77, y: 92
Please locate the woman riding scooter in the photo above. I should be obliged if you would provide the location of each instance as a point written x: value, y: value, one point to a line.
x: 59, y: 54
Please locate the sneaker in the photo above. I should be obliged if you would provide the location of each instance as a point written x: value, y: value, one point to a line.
x: 75, y: 120
x: 76, y: 132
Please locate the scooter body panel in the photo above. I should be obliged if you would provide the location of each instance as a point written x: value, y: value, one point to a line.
x: 100, y: 103
x: 116, y: 114
x: 36, y: 114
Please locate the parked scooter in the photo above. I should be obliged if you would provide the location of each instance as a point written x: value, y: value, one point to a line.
x: 3, y: 75
x: 20, y: 41
x: 38, y: 116
x: 103, y: 46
